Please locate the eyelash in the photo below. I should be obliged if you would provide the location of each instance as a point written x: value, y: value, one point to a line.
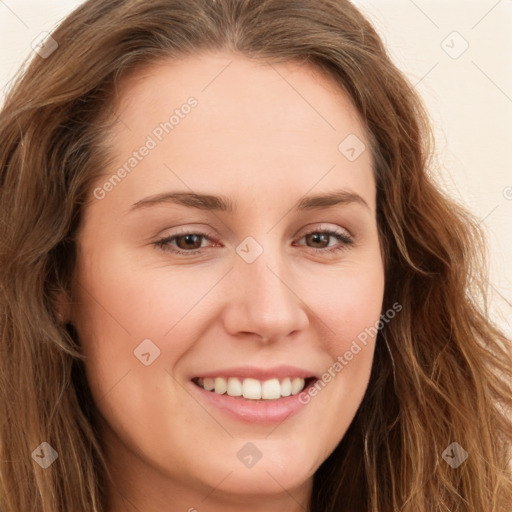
x: 345, y: 240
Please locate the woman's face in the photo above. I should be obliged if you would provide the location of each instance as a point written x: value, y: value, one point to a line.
x: 255, y: 291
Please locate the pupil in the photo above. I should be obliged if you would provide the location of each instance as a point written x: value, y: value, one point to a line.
x: 317, y: 237
x: 189, y: 239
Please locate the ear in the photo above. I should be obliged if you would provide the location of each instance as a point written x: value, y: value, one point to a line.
x: 62, y: 307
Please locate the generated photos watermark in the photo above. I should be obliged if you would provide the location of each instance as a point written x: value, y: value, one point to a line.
x: 152, y: 140
x: 344, y: 360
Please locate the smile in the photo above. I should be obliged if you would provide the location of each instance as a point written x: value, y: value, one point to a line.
x: 252, y: 400
x: 253, y: 389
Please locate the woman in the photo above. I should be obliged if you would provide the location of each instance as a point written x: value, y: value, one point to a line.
x: 228, y: 281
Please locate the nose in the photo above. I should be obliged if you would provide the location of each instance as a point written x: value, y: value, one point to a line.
x: 262, y: 301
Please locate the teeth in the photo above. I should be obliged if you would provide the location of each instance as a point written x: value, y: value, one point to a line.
x: 297, y: 385
x: 286, y: 387
x: 253, y: 389
x: 209, y: 384
x: 271, y: 389
x: 220, y: 385
x: 234, y: 387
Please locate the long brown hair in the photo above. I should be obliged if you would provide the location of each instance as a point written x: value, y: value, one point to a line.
x: 440, y: 369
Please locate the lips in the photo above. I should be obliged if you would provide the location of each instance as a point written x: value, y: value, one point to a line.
x: 259, y: 373
x: 252, y: 408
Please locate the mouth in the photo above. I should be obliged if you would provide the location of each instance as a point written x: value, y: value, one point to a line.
x: 255, y: 394
x: 254, y: 390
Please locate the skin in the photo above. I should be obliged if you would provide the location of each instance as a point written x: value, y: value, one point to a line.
x: 264, y: 136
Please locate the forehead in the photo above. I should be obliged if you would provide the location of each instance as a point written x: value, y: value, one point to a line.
x: 254, y: 124
x: 258, y: 93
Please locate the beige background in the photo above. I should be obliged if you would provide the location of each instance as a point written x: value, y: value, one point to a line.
x: 468, y: 94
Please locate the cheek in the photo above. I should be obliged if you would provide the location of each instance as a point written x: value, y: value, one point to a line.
x: 351, y: 312
x: 352, y: 316
x: 352, y: 306
x: 119, y: 294
x: 127, y: 311
x: 353, y: 322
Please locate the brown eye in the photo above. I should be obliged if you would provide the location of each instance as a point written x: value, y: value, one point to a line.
x: 190, y: 242
x: 320, y: 239
x: 184, y: 243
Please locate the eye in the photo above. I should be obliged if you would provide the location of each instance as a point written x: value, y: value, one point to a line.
x: 187, y: 243
x: 322, y: 236
x: 190, y: 243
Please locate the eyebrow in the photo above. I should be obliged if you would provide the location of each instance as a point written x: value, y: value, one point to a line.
x: 224, y: 204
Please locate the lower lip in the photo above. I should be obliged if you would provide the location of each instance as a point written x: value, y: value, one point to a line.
x: 253, y: 411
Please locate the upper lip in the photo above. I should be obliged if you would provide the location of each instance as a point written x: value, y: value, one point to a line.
x: 253, y: 372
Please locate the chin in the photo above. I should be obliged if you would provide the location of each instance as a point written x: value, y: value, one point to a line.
x: 265, y: 466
